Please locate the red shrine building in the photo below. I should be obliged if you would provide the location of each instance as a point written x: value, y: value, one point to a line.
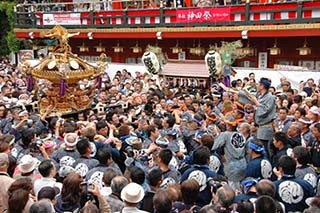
x: 284, y: 33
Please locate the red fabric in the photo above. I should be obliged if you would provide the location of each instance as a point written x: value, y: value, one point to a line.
x: 203, y: 15
x: 117, y: 5
x: 188, y: 3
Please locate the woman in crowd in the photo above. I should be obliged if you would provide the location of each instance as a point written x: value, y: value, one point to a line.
x: 21, y: 195
x: 69, y: 199
x: 190, y: 191
x: 122, y: 119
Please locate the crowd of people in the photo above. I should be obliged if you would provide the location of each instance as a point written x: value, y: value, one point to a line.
x: 144, y: 146
x: 107, y: 5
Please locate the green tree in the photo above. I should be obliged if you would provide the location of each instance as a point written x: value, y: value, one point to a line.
x: 9, y: 42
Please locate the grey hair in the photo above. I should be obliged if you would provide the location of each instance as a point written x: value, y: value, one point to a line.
x: 246, y: 125
x: 226, y: 196
x: 298, y: 126
x: 42, y: 206
x: 118, y: 183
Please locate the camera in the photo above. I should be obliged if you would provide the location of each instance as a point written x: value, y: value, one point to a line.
x: 130, y: 151
x: 29, y: 122
x: 39, y: 143
x: 34, y: 146
x: 214, y: 185
x: 145, y: 158
x: 88, y: 196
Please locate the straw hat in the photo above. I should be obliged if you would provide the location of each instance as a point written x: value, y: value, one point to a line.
x: 27, y: 164
x: 132, y: 193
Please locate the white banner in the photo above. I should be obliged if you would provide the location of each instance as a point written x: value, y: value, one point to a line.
x: 61, y: 19
x: 290, y: 67
x: 263, y: 60
x: 293, y: 76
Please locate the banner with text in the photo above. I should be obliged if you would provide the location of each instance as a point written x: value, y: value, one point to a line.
x: 203, y: 15
x: 61, y: 19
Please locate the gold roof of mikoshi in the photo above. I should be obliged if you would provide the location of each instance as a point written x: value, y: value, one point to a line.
x: 58, y: 66
x: 63, y: 70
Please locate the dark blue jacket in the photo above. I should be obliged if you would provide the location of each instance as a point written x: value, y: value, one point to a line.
x: 293, y: 192
x: 259, y: 167
x: 215, y: 165
x: 200, y: 173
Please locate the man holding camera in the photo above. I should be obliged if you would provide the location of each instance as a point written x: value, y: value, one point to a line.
x: 22, y: 147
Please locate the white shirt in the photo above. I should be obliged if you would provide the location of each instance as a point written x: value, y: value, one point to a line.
x: 40, y: 183
x: 132, y: 210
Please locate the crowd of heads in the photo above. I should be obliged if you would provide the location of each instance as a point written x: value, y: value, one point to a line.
x: 145, y: 145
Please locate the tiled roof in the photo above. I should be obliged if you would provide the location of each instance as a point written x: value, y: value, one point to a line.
x: 198, y: 70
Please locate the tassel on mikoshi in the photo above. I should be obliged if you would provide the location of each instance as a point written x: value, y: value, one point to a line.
x: 29, y: 83
x: 99, y: 79
x: 226, y: 81
x: 62, y: 87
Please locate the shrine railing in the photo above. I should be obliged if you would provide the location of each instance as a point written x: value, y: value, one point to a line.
x: 301, y: 12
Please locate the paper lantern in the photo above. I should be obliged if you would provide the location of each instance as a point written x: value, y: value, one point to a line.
x: 213, y: 63
x: 305, y: 50
x: 151, y: 62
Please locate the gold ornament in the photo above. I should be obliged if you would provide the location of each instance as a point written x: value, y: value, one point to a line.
x: 62, y: 71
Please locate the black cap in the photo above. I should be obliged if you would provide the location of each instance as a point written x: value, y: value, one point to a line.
x: 48, y: 192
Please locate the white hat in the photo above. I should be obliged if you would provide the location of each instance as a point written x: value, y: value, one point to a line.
x: 71, y: 139
x: 27, y: 164
x: 303, y: 94
x: 308, y: 99
x: 305, y: 120
x: 278, y: 91
x: 22, y: 113
x: 132, y: 193
x: 314, y: 110
x: 23, y: 96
